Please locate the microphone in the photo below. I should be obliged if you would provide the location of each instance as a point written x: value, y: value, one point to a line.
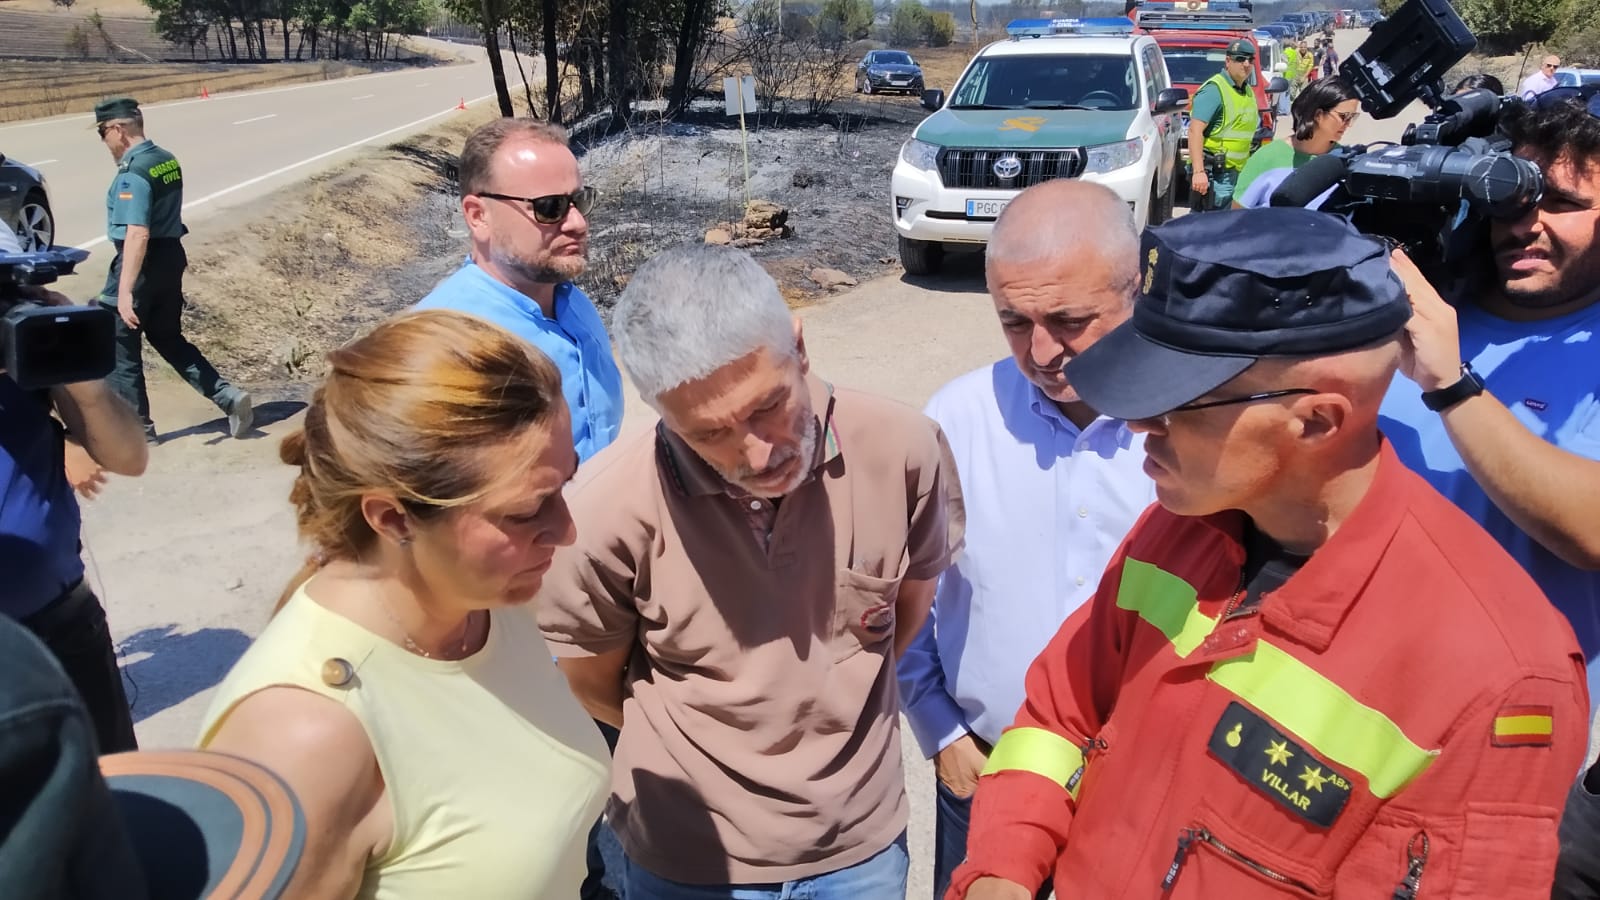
x: 1310, y: 181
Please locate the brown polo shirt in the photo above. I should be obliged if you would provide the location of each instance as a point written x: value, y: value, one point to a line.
x: 762, y: 741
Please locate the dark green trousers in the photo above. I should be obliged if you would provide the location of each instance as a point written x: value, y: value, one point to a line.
x: 158, y: 301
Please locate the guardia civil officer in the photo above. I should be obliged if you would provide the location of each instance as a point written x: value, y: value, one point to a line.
x: 144, y: 223
x: 1305, y: 673
x: 1223, y: 122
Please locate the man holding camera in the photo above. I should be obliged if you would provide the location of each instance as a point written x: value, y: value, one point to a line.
x: 39, y: 523
x: 1222, y: 128
x: 1507, y: 424
x: 145, y: 285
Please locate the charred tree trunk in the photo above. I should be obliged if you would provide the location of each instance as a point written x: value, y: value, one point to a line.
x: 552, y: 70
x: 691, y: 33
x: 527, y: 89
x: 497, y: 66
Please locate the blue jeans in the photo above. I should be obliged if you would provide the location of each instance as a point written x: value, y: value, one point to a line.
x: 883, y: 877
x: 952, y: 816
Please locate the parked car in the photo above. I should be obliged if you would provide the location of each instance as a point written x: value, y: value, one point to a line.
x: 25, y: 205
x: 1571, y: 77
x: 1046, y: 104
x: 888, y: 70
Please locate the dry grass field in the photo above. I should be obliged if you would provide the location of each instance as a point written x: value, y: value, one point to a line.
x: 31, y: 90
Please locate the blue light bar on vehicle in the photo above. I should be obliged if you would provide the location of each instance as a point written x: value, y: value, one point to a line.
x: 1019, y: 28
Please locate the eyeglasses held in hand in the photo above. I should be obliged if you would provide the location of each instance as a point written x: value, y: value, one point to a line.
x: 552, y: 209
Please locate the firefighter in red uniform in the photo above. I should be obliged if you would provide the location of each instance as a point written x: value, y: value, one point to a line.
x: 1305, y: 674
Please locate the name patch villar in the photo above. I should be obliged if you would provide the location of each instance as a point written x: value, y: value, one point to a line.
x: 1272, y: 763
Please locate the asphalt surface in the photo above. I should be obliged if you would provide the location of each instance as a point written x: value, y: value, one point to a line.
x: 239, y: 148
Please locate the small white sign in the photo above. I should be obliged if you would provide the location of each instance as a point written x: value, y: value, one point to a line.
x: 731, y: 90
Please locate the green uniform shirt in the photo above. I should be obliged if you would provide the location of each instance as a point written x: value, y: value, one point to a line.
x: 148, y: 191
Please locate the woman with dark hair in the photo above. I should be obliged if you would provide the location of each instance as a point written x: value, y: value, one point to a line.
x: 1321, y: 114
x: 1481, y: 81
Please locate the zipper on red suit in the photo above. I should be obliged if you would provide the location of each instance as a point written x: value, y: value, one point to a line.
x: 1416, y: 858
x: 1187, y: 838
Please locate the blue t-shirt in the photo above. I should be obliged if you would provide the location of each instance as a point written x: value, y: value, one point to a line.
x: 1547, y: 373
x: 38, y: 514
x: 575, y: 340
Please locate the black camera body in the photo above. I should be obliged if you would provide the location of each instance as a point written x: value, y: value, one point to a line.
x: 1436, y: 190
x: 44, y: 346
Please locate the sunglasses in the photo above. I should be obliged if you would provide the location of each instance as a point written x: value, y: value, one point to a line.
x: 1252, y: 398
x: 102, y: 128
x: 1588, y: 96
x: 552, y: 209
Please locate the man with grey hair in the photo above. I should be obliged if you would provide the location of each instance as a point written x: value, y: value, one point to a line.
x: 1050, y: 486
x: 744, y: 578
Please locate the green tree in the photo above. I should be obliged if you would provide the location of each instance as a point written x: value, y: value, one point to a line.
x: 940, y: 29
x: 908, y: 23
x: 844, y: 20
x: 1508, y: 25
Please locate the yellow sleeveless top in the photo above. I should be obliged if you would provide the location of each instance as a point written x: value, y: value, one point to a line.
x: 493, y: 771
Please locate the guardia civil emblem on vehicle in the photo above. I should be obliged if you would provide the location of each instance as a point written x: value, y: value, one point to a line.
x: 1008, y: 166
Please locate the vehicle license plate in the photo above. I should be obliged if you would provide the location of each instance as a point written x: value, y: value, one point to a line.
x: 985, y: 209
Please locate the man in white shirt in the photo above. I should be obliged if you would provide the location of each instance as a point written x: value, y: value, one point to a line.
x: 1050, y: 486
x: 1540, y: 81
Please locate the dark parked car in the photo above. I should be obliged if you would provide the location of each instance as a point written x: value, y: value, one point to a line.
x: 24, y: 207
x: 888, y: 70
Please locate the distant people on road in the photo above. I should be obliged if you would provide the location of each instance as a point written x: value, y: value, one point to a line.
x: 1050, y: 486
x: 40, y: 551
x: 402, y: 689
x: 144, y: 222
x: 1322, y: 113
x: 1480, y: 81
x: 526, y: 210
x: 525, y: 205
x: 1222, y: 129
x: 1542, y: 80
x: 745, y: 576
x: 1305, y: 673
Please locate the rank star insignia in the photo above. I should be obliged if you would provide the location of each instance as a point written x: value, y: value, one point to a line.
x: 1317, y: 794
x: 1313, y: 778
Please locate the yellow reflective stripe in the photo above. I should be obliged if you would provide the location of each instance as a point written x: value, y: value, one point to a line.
x: 1040, y: 752
x: 1505, y: 725
x: 1165, y: 601
x: 1325, y: 716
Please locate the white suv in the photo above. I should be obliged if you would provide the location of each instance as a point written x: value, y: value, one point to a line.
x: 1095, y: 106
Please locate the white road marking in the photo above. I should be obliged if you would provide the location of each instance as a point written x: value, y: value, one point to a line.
x: 43, y: 162
x: 424, y: 84
x: 304, y: 162
x: 256, y: 119
x: 364, y: 97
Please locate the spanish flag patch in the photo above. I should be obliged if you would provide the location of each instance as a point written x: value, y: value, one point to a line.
x: 1522, y: 726
x: 128, y: 196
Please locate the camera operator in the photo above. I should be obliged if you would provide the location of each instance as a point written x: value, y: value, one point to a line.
x: 1507, y: 423
x: 39, y: 523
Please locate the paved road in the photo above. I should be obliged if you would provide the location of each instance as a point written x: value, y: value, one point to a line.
x: 237, y: 148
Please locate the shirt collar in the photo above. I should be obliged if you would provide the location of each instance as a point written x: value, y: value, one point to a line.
x: 1046, y: 409
x: 1314, y: 602
x: 693, y: 476
x: 136, y: 148
x: 521, y: 300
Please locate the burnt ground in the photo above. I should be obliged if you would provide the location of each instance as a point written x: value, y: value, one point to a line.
x: 344, y: 250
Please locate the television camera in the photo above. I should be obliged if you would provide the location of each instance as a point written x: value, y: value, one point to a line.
x: 44, y: 346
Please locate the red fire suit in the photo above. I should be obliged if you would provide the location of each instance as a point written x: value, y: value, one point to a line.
x: 1402, y: 718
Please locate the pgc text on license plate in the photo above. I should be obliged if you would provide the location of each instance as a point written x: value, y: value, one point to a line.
x: 985, y: 209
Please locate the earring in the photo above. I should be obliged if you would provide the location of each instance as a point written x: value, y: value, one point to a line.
x: 405, y: 541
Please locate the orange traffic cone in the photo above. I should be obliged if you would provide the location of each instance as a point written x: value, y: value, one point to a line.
x: 204, y: 94
x: 462, y: 104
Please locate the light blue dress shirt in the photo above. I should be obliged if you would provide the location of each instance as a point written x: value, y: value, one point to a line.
x: 1548, y: 374
x: 1046, y: 506
x: 575, y: 340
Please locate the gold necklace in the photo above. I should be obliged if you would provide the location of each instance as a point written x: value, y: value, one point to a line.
x: 411, y: 645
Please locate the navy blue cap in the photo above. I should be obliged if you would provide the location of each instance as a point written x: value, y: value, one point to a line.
x: 1221, y: 290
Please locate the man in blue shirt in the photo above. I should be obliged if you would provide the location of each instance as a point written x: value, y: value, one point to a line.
x: 1050, y: 486
x: 1507, y: 423
x: 525, y: 205
x: 44, y: 585
x: 526, y: 208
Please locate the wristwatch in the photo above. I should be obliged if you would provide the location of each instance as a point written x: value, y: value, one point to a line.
x: 1442, y: 399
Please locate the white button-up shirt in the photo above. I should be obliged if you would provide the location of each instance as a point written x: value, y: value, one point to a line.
x: 1047, y: 504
